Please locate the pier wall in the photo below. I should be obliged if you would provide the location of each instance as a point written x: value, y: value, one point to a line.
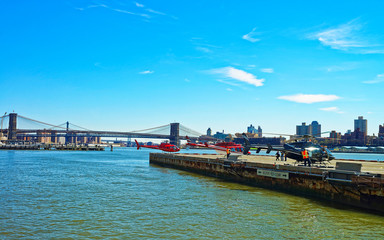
x: 348, y: 189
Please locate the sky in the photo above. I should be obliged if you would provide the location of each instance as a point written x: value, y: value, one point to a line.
x: 129, y: 65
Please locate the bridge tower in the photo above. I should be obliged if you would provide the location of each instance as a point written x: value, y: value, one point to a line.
x: 12, y: 126
x: 174, y: 134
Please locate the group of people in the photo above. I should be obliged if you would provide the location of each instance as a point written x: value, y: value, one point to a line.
x: 283, y: 156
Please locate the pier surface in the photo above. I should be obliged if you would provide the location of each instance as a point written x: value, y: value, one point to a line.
x: 367, y: 166
x: 355, y: 183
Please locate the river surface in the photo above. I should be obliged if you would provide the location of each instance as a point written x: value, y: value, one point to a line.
x: 119, y: 195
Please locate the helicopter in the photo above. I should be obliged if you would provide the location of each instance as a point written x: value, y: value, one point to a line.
x: 166, y: 147
x: 221, y: 147
x: 301, y: 149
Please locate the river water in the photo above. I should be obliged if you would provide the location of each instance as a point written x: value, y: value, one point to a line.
x: 119, y: 195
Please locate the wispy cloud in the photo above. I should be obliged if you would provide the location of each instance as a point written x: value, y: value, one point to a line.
x: 228, y: 83
x: 140, y: 7
x: 150, y: 10
x: 251, y: 36
x: 238, y: 75
x: 115, y: 9
x: 229, y: 89
x: 379, y: 78
x: 146, y: 72
x: 331, y: 109
x: 309, y: 98
x: 342, y: 67
x: 348, y: 37
x: 202, y: 45
x: 341, y: 37
x: 203, y: 49
x: 267, y: 70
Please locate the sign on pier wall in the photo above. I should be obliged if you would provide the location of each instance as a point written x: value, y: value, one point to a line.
x: 272, y: 174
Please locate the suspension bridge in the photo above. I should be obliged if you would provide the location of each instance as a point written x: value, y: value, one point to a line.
x: 21, y: 128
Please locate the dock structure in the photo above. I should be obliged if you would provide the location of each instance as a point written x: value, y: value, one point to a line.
x: 353, y: 183
x: 58, y: 147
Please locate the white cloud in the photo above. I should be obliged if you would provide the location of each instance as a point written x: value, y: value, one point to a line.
x: 250, y: 36
x: 332, y: 109
x: 146, y: 72
x: 347, y: 66
x: 116, y: 10
x: 229, y: 89
x: 203, y: 49
x: 139, y: 5
x: 379, y: 78
x: 239, y: 75
x: 229, y: 83
x: 309, y: 98
x: 348, y: 37
x: 155, y: 12
x: 150, y: 12
x: 267, y: 70
x: 342, y: 37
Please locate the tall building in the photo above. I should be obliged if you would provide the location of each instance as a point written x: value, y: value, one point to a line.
x: 312, y: 129
x: 209, y: 132
x: 315, y: 129
x: 260, y: 131
x: 302, y: 129
x: 335, y: 135
x: 361, y: 124
x: 381, y: 131
x: 251, y: 129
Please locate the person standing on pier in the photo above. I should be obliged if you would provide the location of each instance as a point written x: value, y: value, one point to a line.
x: 282, y: 156
x: 306, y: 158
x: 228, y: 152
x: 277, y: 156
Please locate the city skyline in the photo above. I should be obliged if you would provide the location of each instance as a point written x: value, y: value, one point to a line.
x: 129, y: 65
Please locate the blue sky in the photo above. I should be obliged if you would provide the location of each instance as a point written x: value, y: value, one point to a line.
x: 126, y: 65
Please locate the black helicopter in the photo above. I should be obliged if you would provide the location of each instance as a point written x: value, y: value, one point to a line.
x: 298, y: 149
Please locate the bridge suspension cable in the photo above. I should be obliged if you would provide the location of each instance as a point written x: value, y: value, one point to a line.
x: 188, y: 131
x: 30, y: 119
x: 148, y: 129
x: 80, y: 127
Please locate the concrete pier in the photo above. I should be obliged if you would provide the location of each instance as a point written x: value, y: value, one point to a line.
x: 358, y: 184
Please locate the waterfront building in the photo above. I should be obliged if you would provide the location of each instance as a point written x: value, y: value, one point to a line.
x: 361, y: 124
x: 348, y: 132
x: 251, y: 129
x: 335, y: 135
x: 358, y: 137
x: 209, y: 132
x: 381, y: 131
x: 44, y: 136
x: 315, y: 129
x: 220, y: 135
x: 302, y: 129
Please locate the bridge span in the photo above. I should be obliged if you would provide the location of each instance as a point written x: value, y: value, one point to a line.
x: 72, y: 133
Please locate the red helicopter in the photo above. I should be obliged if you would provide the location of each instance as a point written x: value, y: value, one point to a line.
x: 221, y: 147
x: 166, y: 147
